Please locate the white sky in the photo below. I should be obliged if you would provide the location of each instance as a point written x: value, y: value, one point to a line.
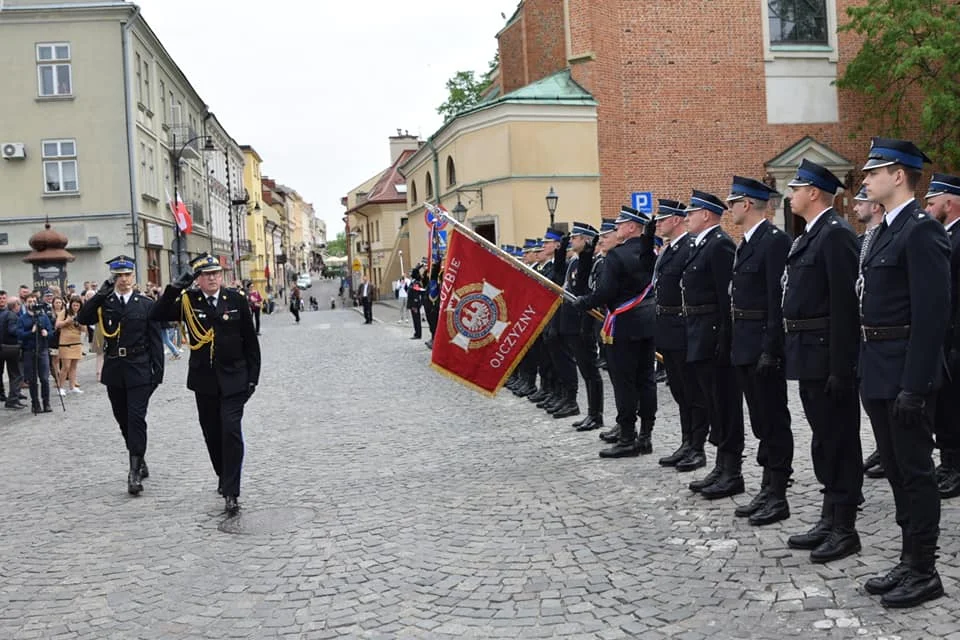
x: 317, y: 86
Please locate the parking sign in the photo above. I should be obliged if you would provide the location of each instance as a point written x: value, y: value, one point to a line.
x: 642, y: 201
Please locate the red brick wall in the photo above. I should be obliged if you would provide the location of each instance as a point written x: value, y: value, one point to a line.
x: 513, y: 64
x: 681, y: 91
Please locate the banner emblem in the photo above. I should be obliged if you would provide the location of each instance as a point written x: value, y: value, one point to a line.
x: 476, y: 316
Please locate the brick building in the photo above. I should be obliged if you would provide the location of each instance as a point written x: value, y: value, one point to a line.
x: 690, y: 93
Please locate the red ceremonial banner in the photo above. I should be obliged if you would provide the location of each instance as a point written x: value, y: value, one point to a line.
x: 491, y: 311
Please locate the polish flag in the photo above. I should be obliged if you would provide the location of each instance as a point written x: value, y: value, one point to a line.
x: 181, y: 215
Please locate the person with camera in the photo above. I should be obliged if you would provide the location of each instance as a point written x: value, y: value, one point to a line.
x: 224, y: 363
x: 34, y: 330
x: 133, y: 358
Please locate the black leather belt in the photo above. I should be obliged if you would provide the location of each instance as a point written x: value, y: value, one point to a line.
x: 885, y: 333
x: 749, y: 314
x: 700, y: 309
x: 125, y: 352
x: 806, y: 324
x: 669, y: 311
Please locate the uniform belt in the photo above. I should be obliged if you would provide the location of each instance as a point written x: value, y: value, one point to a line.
x: 700, y: 309
x: 669, y: 311
x: 885, y: 333
x: 125, y: 352
x: 806, y: 324
x: 749, y: 314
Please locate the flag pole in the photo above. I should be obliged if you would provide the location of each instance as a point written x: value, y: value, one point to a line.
x: 489, y: 246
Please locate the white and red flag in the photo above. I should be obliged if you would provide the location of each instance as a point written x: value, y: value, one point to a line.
x: 180, y: 214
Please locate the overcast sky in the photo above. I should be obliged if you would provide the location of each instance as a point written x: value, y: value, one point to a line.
x: 317, y: 86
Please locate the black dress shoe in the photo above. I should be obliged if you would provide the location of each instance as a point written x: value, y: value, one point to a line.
x: 714, y: 475
x: 872, y: 460
x: 880, y: 585
x: 46, y: 407
x: 812, y: 538
x: 621, y: 450
x: 875, y: 471
x: 589, y: 424
x: 692, y: 461
x: 416, y: 338
x: 774, y: 510
x: 914, y: 588
x: 134, y: 484
x: 144, y: 472
x: 747, y: 510
x: 567, y: 410
x: 14, y: 405
x: 727, y: 485
x: 949, y: 484
x: 230, y: 505
x: 645, y: 444
x: 675, y: 457
x: 537, y: 396
x: 839, y: 543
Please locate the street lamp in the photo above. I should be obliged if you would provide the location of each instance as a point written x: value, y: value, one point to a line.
x: 177, y: 158
x: 552, y: 198
x: 459, y: 211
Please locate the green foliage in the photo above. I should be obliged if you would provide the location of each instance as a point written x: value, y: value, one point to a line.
x: 909, y: 69
x: 338, y: 247
x: 465, y: 90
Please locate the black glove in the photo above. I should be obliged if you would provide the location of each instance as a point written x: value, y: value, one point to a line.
x: 908, y: 408
x: 251, y: 387
x: 185, y: 280
x: 106, y: 288
x: 767, y: 364
x: 722, y: 351
x: 579, y: 303
x: 838, y: 388
x: 650, y: 229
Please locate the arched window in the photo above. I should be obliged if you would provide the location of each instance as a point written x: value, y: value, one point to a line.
x: 451, y: 172
x: 429, y: 186
x: 413, y: 194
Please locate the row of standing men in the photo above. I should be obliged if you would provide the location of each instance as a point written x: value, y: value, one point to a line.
x: 853, y: 320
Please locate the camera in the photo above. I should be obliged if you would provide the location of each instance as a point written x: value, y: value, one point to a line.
x: 39, y: 306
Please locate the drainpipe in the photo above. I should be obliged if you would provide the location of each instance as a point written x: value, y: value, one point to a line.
x: 436, y: 172
x: 131, y: 170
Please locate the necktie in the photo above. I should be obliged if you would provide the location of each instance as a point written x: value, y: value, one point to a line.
x: 212, y: 301
x: 123, y: 302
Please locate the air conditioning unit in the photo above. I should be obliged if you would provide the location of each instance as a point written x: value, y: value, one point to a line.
x: 13, y: 150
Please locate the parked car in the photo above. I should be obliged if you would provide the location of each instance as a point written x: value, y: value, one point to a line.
x: 304, y: 281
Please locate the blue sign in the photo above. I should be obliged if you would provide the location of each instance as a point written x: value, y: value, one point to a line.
x: 642, y: 201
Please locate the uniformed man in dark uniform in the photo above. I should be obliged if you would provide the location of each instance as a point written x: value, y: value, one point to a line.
x: 224, y: 363
x: 904, y: 316
x: 587, y: 342
x: 943, y: 204
x: 671, y: 339
x: 605, y: 243
x: 757, y: 348
x: 706, y: 308
x: 575, y: 328
x: 550, y: 252
x: 527, y: 369
x: 869, y: 214
x: 623, y: 290
x: 820, y: 324
x: 132, y: 358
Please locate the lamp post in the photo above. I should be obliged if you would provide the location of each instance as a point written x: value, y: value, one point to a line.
x: 459, y: 211
x: 552, y: 199
x: 177, y: 153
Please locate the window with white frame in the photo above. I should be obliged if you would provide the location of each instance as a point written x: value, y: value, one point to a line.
x: 138, y: 67
x: 60, y: 166
x: 54, y: 70
x: 164, y: 116
x: 147, y: 96
x: 798, y: 22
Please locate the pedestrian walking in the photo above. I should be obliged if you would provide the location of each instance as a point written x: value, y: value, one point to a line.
x: 224, y: 366
x: 295, y: 303
x: 133, y: 358
x: 365, y: 292
x: 256, y: 304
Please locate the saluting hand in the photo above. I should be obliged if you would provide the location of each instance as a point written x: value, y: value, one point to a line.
x: 185, y: 280
x: 106, y: 287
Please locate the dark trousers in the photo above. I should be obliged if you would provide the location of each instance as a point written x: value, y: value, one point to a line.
x: 585, y: 354
x: 769, y: 418
x: 561, y: 350
x: 717, y: 385
x: 129, y: 406
x: 630, y: 363
x: 220, y: 418
x: 10, y: 360
x: 835, y: 445
x: 367, y: 309
x: 36, y: 366
x: 907, y: 457
x: 432, y: 309
x: 256, y: 318
x: 417, y: 324
x: 682, y: 380
x: 295, y: 310
x: 947, y: 418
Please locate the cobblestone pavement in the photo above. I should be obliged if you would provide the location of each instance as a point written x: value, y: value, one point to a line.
x: 368, y: 514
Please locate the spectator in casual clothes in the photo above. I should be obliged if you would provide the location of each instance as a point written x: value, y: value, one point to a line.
x: 10, y: 352
x: 34, y: 330
x: 256, y: 304
x: 71, y: 350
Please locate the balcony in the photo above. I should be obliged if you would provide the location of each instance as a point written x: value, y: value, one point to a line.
x: 245, y: 246
x: 179, y: 134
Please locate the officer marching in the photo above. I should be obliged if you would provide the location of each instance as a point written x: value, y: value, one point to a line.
x: 757, y: 348
x: 224, y: 363
x: 132, y: 358
x: 904, y: 315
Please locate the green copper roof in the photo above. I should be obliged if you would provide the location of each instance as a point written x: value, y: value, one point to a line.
x: 558, y: 88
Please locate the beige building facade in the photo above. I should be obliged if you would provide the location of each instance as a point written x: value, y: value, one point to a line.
x: 93, y: 116
x: 500, y: 159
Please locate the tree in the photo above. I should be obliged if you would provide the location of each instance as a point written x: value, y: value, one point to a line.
x: 466, y: 90
x: 909, y: 69
x: 338, y: 247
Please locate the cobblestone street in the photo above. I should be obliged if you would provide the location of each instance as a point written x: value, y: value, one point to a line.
x: 382, y: 500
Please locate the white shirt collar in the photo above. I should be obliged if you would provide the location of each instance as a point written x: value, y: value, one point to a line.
x: 814, y: 221
x: 891, y: 215
x: 950, y: 225
x: 125, y: 297
x: 215, y: 294
x: 676, y: 241
x: 749, y: 234
x: 703, y: 234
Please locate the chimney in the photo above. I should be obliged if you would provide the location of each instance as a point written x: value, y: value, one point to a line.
x: 401, y: 142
